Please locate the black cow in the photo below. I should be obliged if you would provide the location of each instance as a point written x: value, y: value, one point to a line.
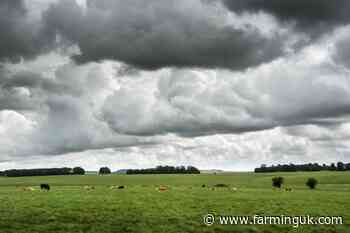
x: 45, y: 187
x: 121, y: 187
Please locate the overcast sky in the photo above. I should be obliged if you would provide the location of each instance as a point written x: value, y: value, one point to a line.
x: 224, y: 84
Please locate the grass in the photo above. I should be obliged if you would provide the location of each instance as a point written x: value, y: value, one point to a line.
x: 141, y: 208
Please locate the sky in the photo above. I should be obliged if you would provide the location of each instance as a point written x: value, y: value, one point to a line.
x: 217, y: 84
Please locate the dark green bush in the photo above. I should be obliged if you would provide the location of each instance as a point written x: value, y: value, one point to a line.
x: 311, y: 183
x: 78, y: 171
x: 277, y: 182
x: 104, y: 171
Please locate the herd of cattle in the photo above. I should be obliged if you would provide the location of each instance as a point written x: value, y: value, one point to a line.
x: 161, y: 188
x: 46, y: 187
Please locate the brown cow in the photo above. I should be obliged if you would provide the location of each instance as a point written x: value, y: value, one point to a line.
x: 31, y: 189
x: 162, y: 188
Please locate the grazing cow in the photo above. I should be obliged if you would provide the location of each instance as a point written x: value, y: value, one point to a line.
x: 221, y: 186
x: 28, y: 189
x: 162, y: 188
x: 88, y: 188
x: 234, y: 189
x: 121, y: 187
x: 45, y: 187
x: 113, y: 187
x: 288, y: 189
x: 203, y: 185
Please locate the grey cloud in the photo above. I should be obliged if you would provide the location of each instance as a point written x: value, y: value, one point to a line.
x: 56, y: 113
x: 26, y: 90
x: 22, y: 79
x: 30, y: 91
x: 20, y: 36
x: 231, y: 152
x: 188, y: 108
x: 155, y: 34
x: 85, y: 108
x: 12, y: 95
x: 321, y: 133
x: 283, y: 93
x: 312, y: 16
x: 14, y: 99
x: 77, y: 108
x: 341, y: 55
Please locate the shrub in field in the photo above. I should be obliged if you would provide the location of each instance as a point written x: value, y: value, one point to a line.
x: 104, y: 171
x: 311, y: 183
x: 277, y: 182
x: 78, y: 171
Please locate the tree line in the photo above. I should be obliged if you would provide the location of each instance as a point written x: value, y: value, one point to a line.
x: 102, y: 171
x: 340, y: 166
x: 165, y: 170
x: 43, y: 172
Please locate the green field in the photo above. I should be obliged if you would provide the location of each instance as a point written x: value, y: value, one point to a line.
x: 68, y: 207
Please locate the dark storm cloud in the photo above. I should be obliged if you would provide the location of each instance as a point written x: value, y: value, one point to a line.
x: 312, y: 16
x: 11, y: 97
x: 13, y: 100
x: 342, y: 48
x: 26, y: 90
x: 155, y: 34
x: 51, y: 105
x: 191, y: 103
x: 19, y: 36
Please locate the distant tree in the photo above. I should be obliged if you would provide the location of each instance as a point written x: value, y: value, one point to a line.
x: 277, y: 182
x: 311, y: 183
x: 340, y: 166
x: 78, y: 171
x: 325, y: 167
x: 332, y: 167
x: 192, y: 170
x: 104, y: 171
x: 347, y: 167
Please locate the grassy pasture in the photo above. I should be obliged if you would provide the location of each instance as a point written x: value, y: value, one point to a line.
x: 141, y: 208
